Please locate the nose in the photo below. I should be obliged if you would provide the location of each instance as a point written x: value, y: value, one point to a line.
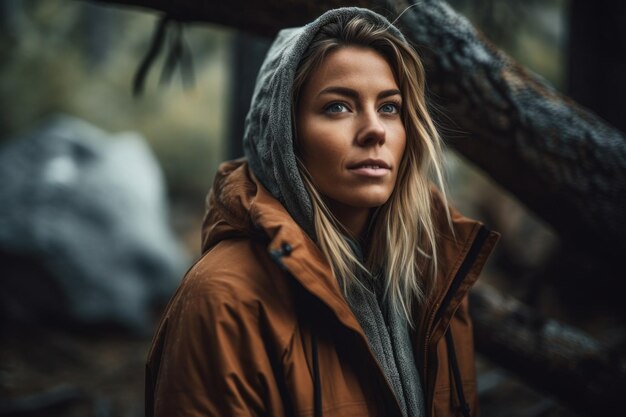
x: 372, y: 131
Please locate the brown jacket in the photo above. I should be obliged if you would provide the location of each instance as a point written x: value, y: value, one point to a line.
x: 259, y: 325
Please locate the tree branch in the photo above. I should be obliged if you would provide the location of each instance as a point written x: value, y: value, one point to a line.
x: 549, y: 355
x: 263, y: 18
x: 562, y: 161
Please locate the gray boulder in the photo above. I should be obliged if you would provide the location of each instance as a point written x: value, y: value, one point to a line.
x: 84, y: 234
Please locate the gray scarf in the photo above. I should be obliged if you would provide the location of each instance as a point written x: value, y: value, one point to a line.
x: 388, y: 334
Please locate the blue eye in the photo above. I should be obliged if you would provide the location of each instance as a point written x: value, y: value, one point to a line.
x: 336, y: 108
x: 390, y: 108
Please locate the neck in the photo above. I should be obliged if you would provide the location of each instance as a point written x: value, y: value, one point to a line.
x: 354, y: 219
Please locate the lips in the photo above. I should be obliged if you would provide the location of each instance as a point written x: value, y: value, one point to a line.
x: 371, y: 164
x: 370, y: 168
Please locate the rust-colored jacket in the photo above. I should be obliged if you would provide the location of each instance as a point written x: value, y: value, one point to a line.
x: 259, y: 319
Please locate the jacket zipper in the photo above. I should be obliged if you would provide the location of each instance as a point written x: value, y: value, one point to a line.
x: 469, y: 260
x: 276, y: 256
x: 460, y: 275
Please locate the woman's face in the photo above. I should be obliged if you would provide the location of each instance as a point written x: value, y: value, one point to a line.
x: 350, y: 133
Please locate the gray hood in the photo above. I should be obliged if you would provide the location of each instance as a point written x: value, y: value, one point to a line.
x: 268, y: 138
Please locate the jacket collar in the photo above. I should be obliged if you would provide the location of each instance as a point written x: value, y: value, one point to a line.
x: 463, y: 251
x: 239, y: 205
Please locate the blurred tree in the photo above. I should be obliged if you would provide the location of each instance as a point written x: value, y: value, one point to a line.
x: 560, y: 359
x: 597, y: 58
x: 248, y: 52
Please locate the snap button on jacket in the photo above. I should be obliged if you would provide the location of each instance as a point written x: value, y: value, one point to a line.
x: 236, y: 339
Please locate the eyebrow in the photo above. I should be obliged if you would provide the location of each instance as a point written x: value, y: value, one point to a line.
x: 348, y: 92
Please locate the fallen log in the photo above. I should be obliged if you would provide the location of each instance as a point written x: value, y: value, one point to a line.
x: 562, y: 161
x: 559, y: 159
x: 551, y: 356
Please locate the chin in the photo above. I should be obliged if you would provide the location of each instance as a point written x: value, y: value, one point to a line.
x: 371, y: 200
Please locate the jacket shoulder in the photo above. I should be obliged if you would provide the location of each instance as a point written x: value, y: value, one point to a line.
x: 234, y: 291
x: 227, y: 312
x: 238, y: 272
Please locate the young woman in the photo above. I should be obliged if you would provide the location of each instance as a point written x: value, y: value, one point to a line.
x: 334, y: 277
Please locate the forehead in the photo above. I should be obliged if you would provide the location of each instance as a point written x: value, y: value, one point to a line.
x: 355, y: 67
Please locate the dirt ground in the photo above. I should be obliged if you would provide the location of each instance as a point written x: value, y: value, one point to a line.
x: 72, y: 374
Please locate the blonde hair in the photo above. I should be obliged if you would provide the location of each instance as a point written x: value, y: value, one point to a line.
x: 403, y: 230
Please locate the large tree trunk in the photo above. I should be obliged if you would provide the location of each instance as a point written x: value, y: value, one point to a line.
x: 561, y: 160
x: 549, y: 355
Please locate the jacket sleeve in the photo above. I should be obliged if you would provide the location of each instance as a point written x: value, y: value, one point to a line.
x: 213, y: 360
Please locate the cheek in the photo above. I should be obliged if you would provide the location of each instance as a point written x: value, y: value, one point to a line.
x: 320, y: 148
x: 402, y: 149
x: 399, y: 146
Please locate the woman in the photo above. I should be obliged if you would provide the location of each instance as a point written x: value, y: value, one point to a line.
x: 334, y: 278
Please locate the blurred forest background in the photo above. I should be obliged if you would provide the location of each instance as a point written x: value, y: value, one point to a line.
x: 74, y: 336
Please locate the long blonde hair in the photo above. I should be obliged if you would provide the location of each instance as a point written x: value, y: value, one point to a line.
x: 403, y: 230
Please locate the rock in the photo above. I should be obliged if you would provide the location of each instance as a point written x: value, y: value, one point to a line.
x: 84, y: 234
